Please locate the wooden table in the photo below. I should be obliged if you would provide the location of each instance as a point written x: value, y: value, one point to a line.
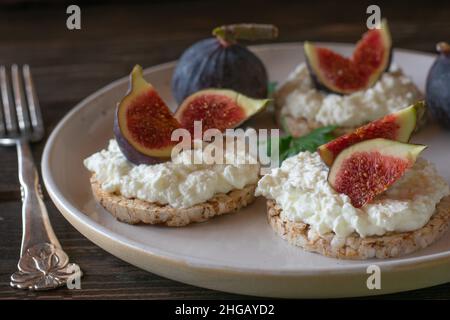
x: 69, y: 65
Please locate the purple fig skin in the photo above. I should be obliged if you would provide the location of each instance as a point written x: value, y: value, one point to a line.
x: 211, y: 63
x: 132, y: 155
x: 438, y: 89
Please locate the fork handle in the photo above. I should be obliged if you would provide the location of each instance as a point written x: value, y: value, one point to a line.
x: 36, y: 227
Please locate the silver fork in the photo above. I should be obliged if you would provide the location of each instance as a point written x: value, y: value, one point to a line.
x: 43, y: 264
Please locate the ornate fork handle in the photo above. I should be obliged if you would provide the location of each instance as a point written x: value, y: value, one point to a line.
x: 43, y: 264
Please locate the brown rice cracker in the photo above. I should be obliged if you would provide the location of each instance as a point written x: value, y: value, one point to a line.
x: 135, y: 211
x: 390, y: 245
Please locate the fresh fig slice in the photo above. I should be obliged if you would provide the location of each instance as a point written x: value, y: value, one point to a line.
x: 395, y: 126
x: 368, y: 168
x: 217, y: 108
x: 334, y: 73
x: 143, y: 123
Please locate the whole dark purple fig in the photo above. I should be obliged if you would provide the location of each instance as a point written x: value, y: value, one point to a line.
x: 221, y: 62
x: 438, y: 86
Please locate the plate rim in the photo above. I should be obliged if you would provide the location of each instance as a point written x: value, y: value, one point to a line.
x: 65, y: 206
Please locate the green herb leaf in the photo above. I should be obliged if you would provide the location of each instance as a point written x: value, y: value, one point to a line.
x: 290, y: 146
x: 271, y: 88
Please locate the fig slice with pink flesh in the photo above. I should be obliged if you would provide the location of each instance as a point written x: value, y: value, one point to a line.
x: 333, y: 72
x: 143, y: 123
x: 217, y: 108
x: 368, y: 168
x: 395, y: 126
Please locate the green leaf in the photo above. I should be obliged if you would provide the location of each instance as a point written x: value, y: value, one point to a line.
x: 290, y: 146
x: 271, y: 88
x: 285, y: 142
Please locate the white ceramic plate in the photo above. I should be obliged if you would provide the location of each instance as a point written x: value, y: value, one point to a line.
x: 238, y: 252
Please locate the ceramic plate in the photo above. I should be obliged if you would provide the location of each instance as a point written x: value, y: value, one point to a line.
x: 239, y: 252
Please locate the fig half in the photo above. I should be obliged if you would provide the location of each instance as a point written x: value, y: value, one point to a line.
x: 217, y: 108
x: 143, y: 123
x: 332, y: 72
x: 368, y: 168
x: 395, y: 126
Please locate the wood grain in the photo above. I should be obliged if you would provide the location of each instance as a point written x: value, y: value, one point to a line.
x: 69, y: 65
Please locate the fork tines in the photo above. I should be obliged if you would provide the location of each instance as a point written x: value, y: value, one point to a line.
x: 20, y: 114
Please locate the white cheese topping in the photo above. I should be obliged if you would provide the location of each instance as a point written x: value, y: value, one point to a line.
x: 301, y: 188
x: 299, y: 98
x: 179, y: 183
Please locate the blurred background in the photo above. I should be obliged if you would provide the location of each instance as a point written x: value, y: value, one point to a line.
x: 117, y: 34
x: 69, y: 65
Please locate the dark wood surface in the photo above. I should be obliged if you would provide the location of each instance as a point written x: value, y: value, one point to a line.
x: 69, y: 65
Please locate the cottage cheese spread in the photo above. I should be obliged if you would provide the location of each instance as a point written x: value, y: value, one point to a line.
x: 179, y: 183
x: 300, y: 187
x: 394, y: 91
